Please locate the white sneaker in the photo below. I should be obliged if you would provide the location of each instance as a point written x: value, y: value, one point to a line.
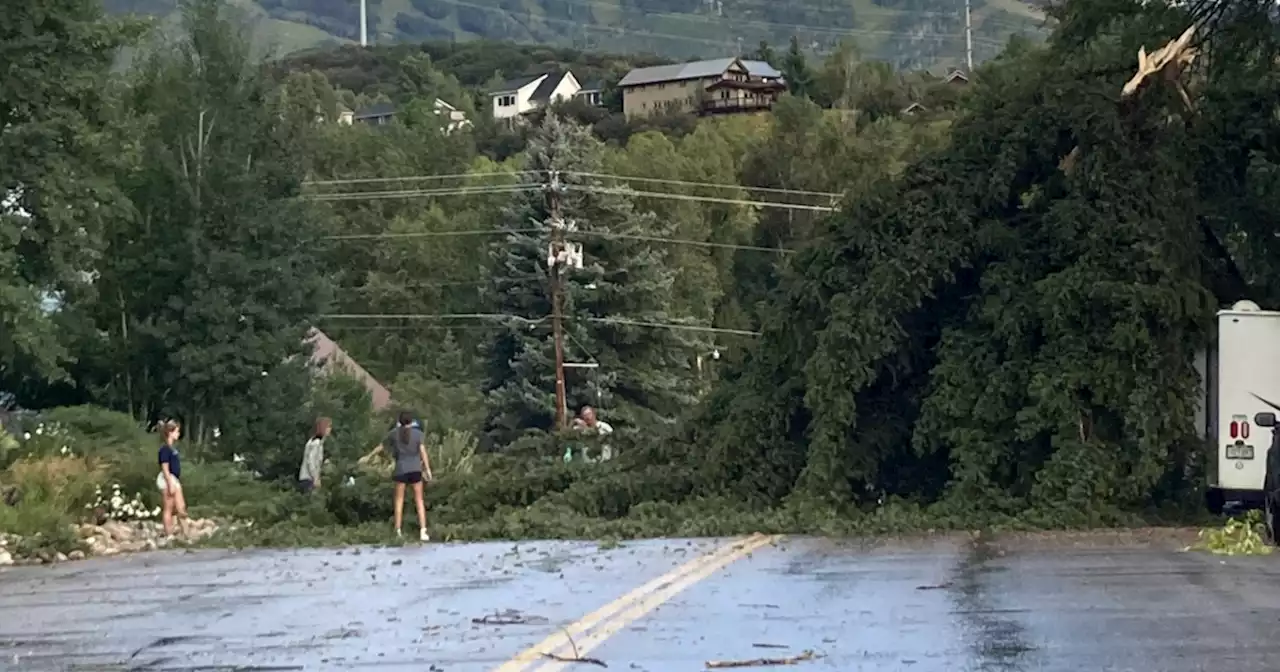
x: 399, y: 534
x: 423, y: 536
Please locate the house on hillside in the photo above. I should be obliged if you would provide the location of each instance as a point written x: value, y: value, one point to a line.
x: 377, y: 114
x: 456, y: 118
x: 381, y: 114
x: 516, y: 97
x: 957, y: 78
x: 346, y: 116
x: 329, y: 357
x: 723, y: 85
x: 591, y: 93
x: 913, y: 109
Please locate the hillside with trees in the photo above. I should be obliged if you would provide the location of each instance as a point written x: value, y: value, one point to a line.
x: 906, y: 33
x: 889, y: 303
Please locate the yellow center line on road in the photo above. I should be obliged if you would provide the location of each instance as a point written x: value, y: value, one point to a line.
x: 653, y: 601
x: 562, y: 642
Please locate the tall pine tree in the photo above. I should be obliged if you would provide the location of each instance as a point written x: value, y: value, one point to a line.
x: 795, y: 68
x: 646, y: 374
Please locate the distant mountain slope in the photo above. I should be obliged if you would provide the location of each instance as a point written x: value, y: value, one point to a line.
x: 908, y: 33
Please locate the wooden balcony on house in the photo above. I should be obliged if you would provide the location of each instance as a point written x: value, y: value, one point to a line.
x: 729, y: 96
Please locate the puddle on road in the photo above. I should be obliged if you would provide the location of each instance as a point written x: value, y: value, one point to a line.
x: 997, y: 641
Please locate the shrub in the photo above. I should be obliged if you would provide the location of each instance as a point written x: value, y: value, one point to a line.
x: 50, y: 492
x: 68, y: 482
x: 452, y: 453
x: 98, y: 425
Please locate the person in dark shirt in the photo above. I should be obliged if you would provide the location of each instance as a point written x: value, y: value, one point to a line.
x: 406, y: 447
x: 170, y: 478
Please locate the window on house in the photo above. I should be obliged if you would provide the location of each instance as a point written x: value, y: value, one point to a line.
x: 506, y: 101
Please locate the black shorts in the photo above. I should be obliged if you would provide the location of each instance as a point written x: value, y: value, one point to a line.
x: 306, y: 485
x: 409, y: 478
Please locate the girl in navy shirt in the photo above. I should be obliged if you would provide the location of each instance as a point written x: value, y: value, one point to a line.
x: 169, y: 480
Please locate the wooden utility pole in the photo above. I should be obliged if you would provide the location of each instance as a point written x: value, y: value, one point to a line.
x: 556, y: 221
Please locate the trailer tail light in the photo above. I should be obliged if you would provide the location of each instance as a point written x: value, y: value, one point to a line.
x: 1244, y: 430
x: 1235, y: 429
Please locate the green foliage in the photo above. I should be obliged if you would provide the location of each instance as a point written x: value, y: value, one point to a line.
x: 1010, y: 324
x: 94, y: 426
x: 645, y: 375
x: 995, y: 330
x: 48, y: 492
x: 1244, y: 535
x: 215, y: 279
x: 55, y: 147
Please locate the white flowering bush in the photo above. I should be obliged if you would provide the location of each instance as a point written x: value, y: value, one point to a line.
x: 43, y: 439
x: 117, y: 507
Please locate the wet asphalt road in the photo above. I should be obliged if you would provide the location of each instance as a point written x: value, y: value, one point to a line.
x: 1041, y: 603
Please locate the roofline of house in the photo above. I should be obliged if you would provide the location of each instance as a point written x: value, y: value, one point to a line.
x: 534, y: 81
x: 735, y: 59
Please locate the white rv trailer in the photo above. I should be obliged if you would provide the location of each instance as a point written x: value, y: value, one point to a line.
x: 1241, y: 373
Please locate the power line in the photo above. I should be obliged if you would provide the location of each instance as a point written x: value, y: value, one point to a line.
x: 685, y: 241
x: 428, y: 234
x: 599, y: 234
x: 607, y: 176
x: 666, y: 325
x: 412, y: 178
x: 661, y: 180
x: 423, y: 193
x: 707, y: 199
x: 431, y: 317
x: 533, y: 321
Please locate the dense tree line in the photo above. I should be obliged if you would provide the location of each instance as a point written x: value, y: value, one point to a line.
x: 1000, y: 314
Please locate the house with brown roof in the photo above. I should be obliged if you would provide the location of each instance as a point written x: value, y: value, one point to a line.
x: 723, y: 85
x: 329, y: 357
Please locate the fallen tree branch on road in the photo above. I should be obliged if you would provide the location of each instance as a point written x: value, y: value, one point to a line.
x: 762, y: 662
x: 575, y: 658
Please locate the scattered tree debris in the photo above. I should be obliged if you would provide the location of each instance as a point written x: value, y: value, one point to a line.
x: 509, y: 617
x: 771, y: 646
x: 762, y: 662
x: 576, y: 658
x: 935, y: 586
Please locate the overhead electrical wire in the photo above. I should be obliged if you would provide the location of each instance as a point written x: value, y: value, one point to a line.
x: 597, y: 234
x: 533, y: 321
x: 423, y: 193
x: 414, y: 178
x: 428, y: 234
x: 705, y: 199
x: 606, y: 176
x: 674, y: 182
